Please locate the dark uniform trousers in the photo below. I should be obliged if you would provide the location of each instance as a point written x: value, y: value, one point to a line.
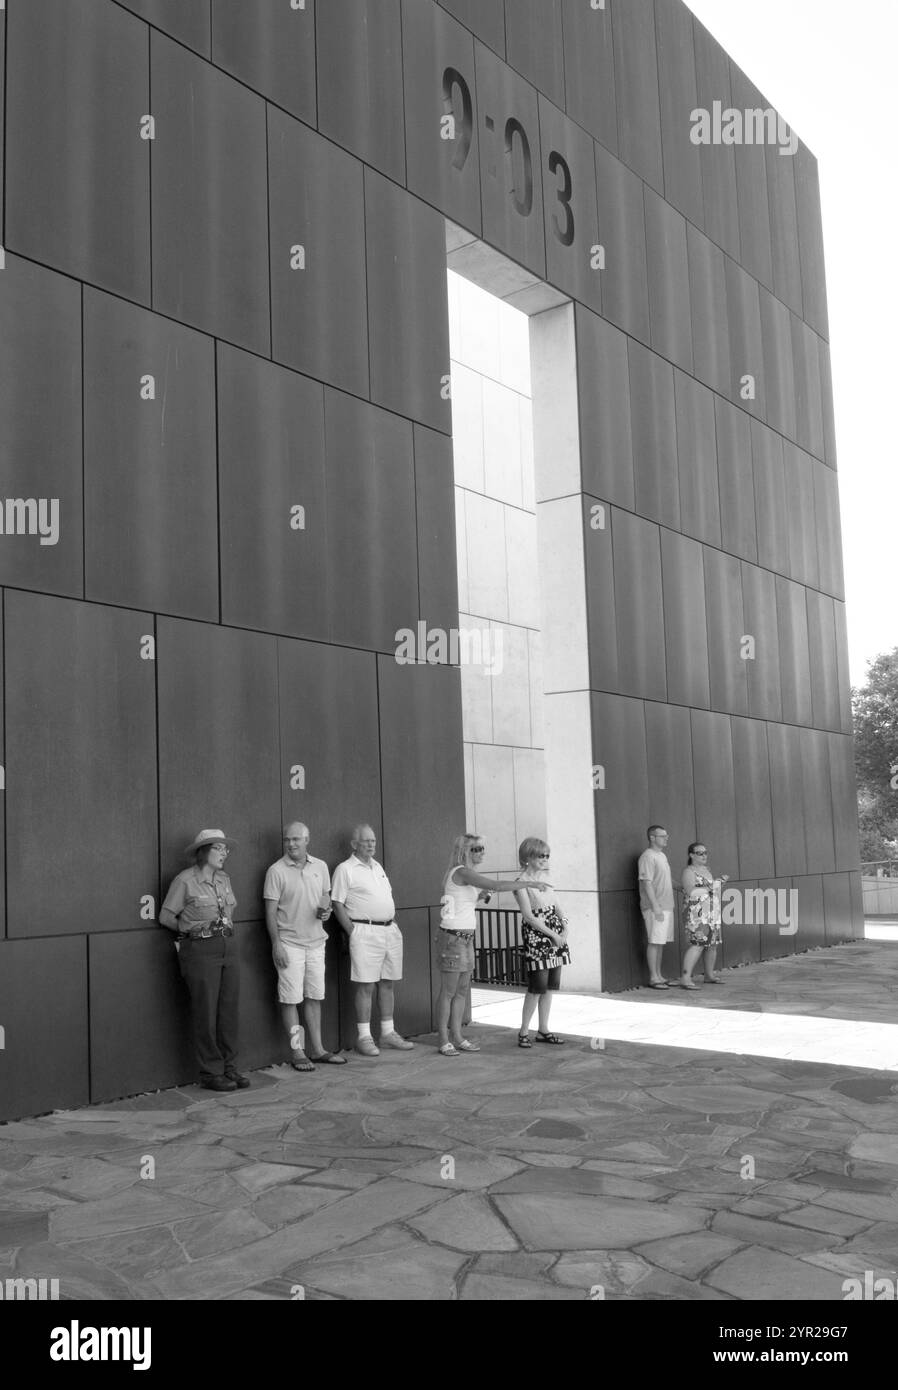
x: 211, y: 970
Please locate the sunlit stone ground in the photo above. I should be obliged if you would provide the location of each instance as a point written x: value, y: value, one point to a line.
x: 623, y: 1164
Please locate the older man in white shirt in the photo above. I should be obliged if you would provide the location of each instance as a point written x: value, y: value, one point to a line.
x: 363, y: 905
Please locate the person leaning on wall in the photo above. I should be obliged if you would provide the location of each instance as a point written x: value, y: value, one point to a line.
x: 297, y: 905
x: 363, y: 905
x: 199, y: 910
x: 656, y: 899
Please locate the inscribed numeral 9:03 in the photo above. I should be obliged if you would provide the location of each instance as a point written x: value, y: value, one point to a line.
x: 518, y: 161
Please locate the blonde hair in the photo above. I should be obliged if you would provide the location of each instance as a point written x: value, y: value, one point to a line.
x: 529, y: 847
x: 461, y: 853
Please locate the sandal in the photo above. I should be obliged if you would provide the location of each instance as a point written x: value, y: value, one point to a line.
x: 550, y: 1038
x: 466, y: 1046
x: 449, y: 1050
x: 329, y: 1058
x: 301, y: 1064
x: 524, y: 1040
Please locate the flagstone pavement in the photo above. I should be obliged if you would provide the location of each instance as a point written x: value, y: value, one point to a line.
x: 631, y: 1171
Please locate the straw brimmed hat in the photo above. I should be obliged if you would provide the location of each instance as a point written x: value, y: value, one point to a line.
x: 209, y: 837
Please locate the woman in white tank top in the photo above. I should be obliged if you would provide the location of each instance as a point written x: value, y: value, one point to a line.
x: 463, y: 886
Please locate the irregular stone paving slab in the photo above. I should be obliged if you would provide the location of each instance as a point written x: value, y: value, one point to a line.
x: 319, y: 1128
x: 155, y: 1100
x: 347, y: 1178
x: 84, y: 1178
x: 758, y: 1274
x: 699, y: 1180
x: 711, y: 1201
x: 534, y: 1159
x: 716, y: 1100
x: 469, y: 1170
x: 872, y: 1172
x: 869, y: 1089
x: 623, y: 1170
x: 848, y: 1182
x: 802, y: 1188
x: 207, y: 1235
x: 879, y: 1241
x: 881, y: 1148
x: 391, y: 1267
x: 217, y: 1190
x: 751, y: 1230
x: 283, y: 1205
x: 198, y: 1158
x: 321, y: 1154
x: 257, y: 1123
x: 662, y: 1285
x: 851, y: 1263
x: 282, y: 1290
x: 109, y: 1119
x: 78, y: 1278
x: 12, y: 1158
x: 578, y: 1180
x: 466, y: 1222
x: 136, y: 1255
x: 372, y: 1167
x: 520, y: 1264
x: 609, y: 1270
x: 815, y: 1218
x: 258, y: 1177
x: 689, y: 1255
x: 489, y: 1288
x: 35, y: 1199
x: 126, y: 1211
x: 877, y: 1208
x: 765, y: 1206
x: 547, y: 1221
x: 23, y: 1228
x: 67, y: 1145
x: 343, y: 1223
x: 264, y: 1151
x: 642, y: 1151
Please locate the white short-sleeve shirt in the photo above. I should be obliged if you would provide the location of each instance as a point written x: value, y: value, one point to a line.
x: 364, y: 890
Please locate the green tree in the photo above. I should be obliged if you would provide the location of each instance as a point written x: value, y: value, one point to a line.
x: 875, y: 710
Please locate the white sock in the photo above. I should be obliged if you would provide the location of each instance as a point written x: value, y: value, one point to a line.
x: 364, y: 1030
x: 386, y: 1027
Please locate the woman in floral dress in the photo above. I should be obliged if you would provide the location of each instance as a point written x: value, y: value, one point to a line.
x: 545, y: 940
x: 701, y: 894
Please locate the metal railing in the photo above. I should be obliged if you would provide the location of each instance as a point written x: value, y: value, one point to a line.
x: 879, y: 886
x: 880, y: 868
x: 498, y: 948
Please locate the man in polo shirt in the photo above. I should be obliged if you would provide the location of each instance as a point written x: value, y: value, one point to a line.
x: 297, y: 904
x: 656, y: 900
x: 364, y: 907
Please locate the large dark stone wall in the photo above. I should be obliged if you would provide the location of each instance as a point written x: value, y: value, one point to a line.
x: 314, y: 137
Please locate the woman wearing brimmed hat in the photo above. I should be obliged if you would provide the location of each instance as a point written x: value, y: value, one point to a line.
x: 199, y: 909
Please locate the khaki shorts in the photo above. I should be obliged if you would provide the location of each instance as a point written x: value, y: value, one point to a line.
x: 659, y: 933
x: 375, y: 953
x: 303, y: 975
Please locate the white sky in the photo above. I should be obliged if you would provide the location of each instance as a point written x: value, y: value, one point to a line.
x: 829, y: 69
